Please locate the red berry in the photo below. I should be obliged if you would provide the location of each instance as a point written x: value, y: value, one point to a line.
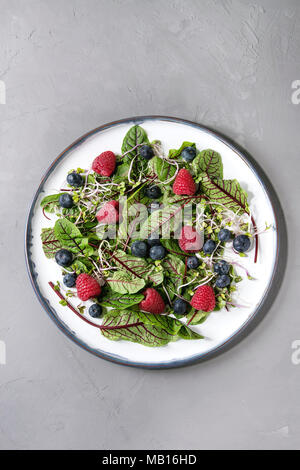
x: 190, y: 240
x: 153, y: 302
x: 105, y: 163
x: 184, y: 183
x: 204, y: 299
x: 109, y: 213
x: 87, y: 287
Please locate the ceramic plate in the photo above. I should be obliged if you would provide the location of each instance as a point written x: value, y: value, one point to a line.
x: 222, y: 327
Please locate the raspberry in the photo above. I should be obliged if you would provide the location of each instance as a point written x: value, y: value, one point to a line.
x: 153, y: 302
x: 190, y: 240
x: 87, y: 287
x: 204, y: 299
x: 184, y: 183
x: 109, y: 213
x: 105, y: 163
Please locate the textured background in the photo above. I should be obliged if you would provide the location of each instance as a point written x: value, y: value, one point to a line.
x: 70, y: 66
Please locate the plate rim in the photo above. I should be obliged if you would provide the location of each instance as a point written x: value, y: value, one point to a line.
x: 258, y: 313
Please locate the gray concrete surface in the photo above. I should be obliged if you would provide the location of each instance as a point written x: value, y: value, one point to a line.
x: 70, y: 66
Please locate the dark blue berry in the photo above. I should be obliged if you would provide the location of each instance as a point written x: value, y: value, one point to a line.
x: 139, y: 249
x: 193, y: 262
x: 69, y: 279
x: 209, y: 246
x: 66, y: 201
x: 64, y: 257
x: 188, y: 154
x: 223, y: 281
x: 74, y: 179
x: 180, y: 306
x: 221, y: 267
x: 154, y: 206
x: 224, y: 235
x: 146, y: 152
x: 157, y: 252
x: 153, y: 239
x: 154, y: 192
x: 95, y: 310
x: 241, y: 243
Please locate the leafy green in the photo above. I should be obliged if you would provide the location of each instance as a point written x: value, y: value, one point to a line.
x: 49, y: 203
x: 71, y: 238
x: 119, y: 301
x: 196, y: 317
x: 175, y: 269
x: 162, y: 168
x: 135, y: 135
x: 174, y: 153
x: 210, y: 162
x: 124, y: 283
x: 226, y: 192
x: 82, y: 265
x: 50, y: 243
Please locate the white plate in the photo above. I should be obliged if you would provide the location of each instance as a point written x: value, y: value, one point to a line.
x: 221, y: 327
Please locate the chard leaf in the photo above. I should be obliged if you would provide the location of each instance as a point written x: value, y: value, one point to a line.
x: 162, y: 168
x: 50, y: 243
x: 124, y: 283
x: 82, y: 265
x: 210, y: 162
x: 125, y: 325
x: 156, y: 277
x: 71, y: 238
x: 49, y: 203
x: 227, y: 192
x: 186, y: 333
x: 163, y: 221
x: 121, y: 302
x: 196, y: 317
x: 137, y: 267
x: 175, y: 269
x: 121, y: 173
x: 135, y: 135
x: 170, y: 324
x: 174, y: 153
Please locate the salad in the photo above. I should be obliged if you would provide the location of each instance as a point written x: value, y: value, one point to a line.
x: 148, y: 243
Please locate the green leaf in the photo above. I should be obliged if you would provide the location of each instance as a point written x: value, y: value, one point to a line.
x: 175, y: 269
x: 170, y: 324
x: 196, y: 317
x: 135, y: 135
x: 49, y: 203
x: 210, y: 162
x: 162, y: 168
x: 163, y: 222
x: 227, y: 192
x: 70, y: 237
x: 174, y: 153
x: 125, y: 325
x: 82, y: 265
x: 50, y: 243
x: 186, y: 333
x: 124, y: 283
x: 156, y: 277
x: 121, y: 302
x: 121, y: 173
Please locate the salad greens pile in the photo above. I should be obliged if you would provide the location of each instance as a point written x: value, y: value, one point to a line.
x: 104, y: 251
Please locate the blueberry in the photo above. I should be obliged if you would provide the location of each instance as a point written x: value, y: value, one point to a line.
x: 139, y: 249
x: 193, y: 262
x: 153, y: 239
x: 224, y: 235
x: 69, y: 279
x: 74, y: 179
x: 221, y: 267
x: 241, y: 243
x: 154, y: 206
x: 153, y: 192
x: 157, y: 252
x: 146, y: 152
x: 223, y: 281
x: 66, y: 201
x: 64, y: 257
x: 209, y: 246
x: 180, y: 306
x: 188, y: 154
x: 95, y: 310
